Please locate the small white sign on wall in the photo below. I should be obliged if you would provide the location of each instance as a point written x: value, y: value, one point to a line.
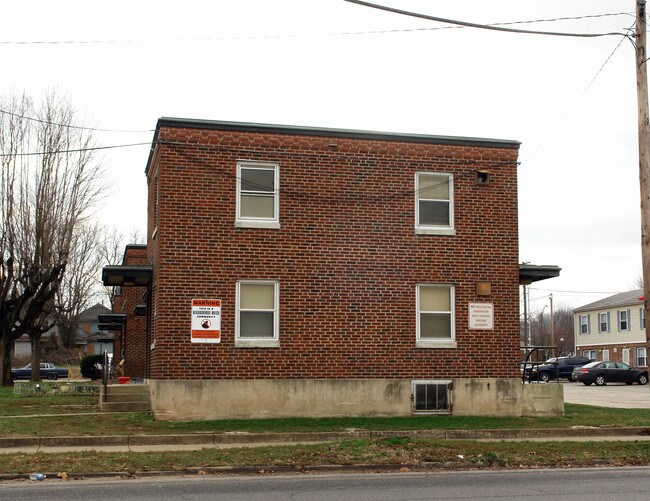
x: 481, y: 316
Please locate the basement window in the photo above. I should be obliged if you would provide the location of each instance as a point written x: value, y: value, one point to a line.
x: 431, y: 397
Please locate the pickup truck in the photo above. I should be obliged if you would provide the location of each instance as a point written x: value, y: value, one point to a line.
x: 48, y: 370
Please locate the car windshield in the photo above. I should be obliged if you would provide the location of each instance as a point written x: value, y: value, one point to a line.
x: 591, y: 364
x: 551, y: 360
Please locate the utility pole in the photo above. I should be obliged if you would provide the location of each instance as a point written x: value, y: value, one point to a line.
x: 644, y: 150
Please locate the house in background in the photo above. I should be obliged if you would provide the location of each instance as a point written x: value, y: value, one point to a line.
x: 90, y: 339
x: 298, y: 271
x: 613, y: 329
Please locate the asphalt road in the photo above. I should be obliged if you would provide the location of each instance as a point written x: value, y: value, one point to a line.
x: 611, y: 395
x: 595, y: 484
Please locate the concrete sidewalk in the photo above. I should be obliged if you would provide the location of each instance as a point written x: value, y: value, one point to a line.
x: 198, y: 441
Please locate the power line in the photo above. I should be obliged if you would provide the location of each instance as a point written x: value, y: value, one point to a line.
x: 492, y: 27
x: 59, y: 152
x: 568, y: 112
x: 307, y: 35
x: 5, y: 112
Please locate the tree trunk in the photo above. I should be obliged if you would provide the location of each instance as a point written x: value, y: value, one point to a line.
x: 5, y: 363
x: 36, y: 358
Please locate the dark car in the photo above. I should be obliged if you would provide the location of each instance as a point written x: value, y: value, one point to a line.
x: 48, y: 370
x: 610, y: 372
x: 555, y: 368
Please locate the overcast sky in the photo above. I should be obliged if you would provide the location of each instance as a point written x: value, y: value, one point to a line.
x: 329, y: 63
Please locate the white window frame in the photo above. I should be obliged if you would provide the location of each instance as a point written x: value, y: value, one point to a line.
x: 445, y: 382
x: 424, y: 229
x: 259, y: 342
x: 605, y: 355
x: 436, y: 343
x: 642, y: 318
x: 256, y: 222
x: 603, y: 319
x: 625, y: 353
x: 619, y: 315
x: 641, y: 360
x: 590, y: 354
x: 583, y: 326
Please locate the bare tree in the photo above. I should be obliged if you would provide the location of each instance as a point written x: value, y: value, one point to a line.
x: 49, y: 182
x: 79, y: 286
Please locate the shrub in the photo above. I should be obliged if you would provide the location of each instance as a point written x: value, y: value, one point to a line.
x: 91, y: 367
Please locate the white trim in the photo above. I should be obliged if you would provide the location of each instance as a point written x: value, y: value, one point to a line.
x: 442, y: 342
x: 447, y: 229
x: 613, y: 343
x: 262, y: 222
x: 260, y: 342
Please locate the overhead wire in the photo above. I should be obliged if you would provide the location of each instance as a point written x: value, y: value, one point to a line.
x: 492, y: 27
x: 79, y: 150
x: 80, y: 127
x: 458, y: 25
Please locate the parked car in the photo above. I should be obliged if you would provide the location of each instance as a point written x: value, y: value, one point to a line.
x: 610, y: 372
x: 48, y: 371
x: 555, y: 368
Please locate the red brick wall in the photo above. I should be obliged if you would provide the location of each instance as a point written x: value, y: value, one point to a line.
x: 347, y: 256
x: 135, y: 344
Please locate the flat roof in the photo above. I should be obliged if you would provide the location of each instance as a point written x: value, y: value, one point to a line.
x: 529, y: 273
x: 194, y: 123
x: 138, y: 276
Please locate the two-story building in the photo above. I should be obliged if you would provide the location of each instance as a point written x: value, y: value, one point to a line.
x: 298, y: 271
x: 613, y: 329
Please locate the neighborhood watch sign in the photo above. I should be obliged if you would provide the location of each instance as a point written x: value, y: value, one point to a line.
x: 206, y: 320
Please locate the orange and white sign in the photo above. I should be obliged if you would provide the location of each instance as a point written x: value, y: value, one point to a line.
x: 481, y: 316
x: 206, y: 320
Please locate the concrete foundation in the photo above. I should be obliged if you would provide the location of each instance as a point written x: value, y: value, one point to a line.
x: 182, y: 400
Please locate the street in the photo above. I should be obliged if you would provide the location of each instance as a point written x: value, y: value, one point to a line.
x: 567, y: 484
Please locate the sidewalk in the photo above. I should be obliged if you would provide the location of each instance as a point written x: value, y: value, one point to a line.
x: 198, y: 441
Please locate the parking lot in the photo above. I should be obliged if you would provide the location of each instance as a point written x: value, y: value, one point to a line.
x: 611, y: 395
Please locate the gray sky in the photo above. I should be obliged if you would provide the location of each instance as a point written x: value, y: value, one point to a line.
x: 329, y: 63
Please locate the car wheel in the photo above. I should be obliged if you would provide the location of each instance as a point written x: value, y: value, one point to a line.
x: 51, y: 376
x: 586, y: 383
x: 14, y: 376
x: 642, y: 379
x: 600, y: 380
x: 544, y: 377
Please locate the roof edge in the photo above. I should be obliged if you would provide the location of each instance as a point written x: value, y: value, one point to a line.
x: 327, y: 132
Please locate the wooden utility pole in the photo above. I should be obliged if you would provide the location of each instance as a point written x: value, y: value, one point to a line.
x: 644, y: 151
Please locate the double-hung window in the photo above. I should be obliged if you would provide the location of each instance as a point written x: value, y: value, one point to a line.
x: 584, y: 324
x: 603, y: 322
x: 434, y: 203
x: 435, y: 322
x: 258, y: 199
x: 641, y: 357
x: 257, y: 321
x: 642, y: 318
x: 623, y: 320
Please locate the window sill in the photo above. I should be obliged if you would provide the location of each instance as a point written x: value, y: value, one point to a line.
x: 434, y: 231
x: 274, y: 225
x: 257, y: 343
x: 420, y: 343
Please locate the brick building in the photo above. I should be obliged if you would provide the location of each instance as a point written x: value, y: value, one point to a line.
x: 356, y: 273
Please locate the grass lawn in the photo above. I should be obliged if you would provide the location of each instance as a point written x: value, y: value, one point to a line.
x: 435, y: 454
x: 427, y: 453
x: 143, y: 423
